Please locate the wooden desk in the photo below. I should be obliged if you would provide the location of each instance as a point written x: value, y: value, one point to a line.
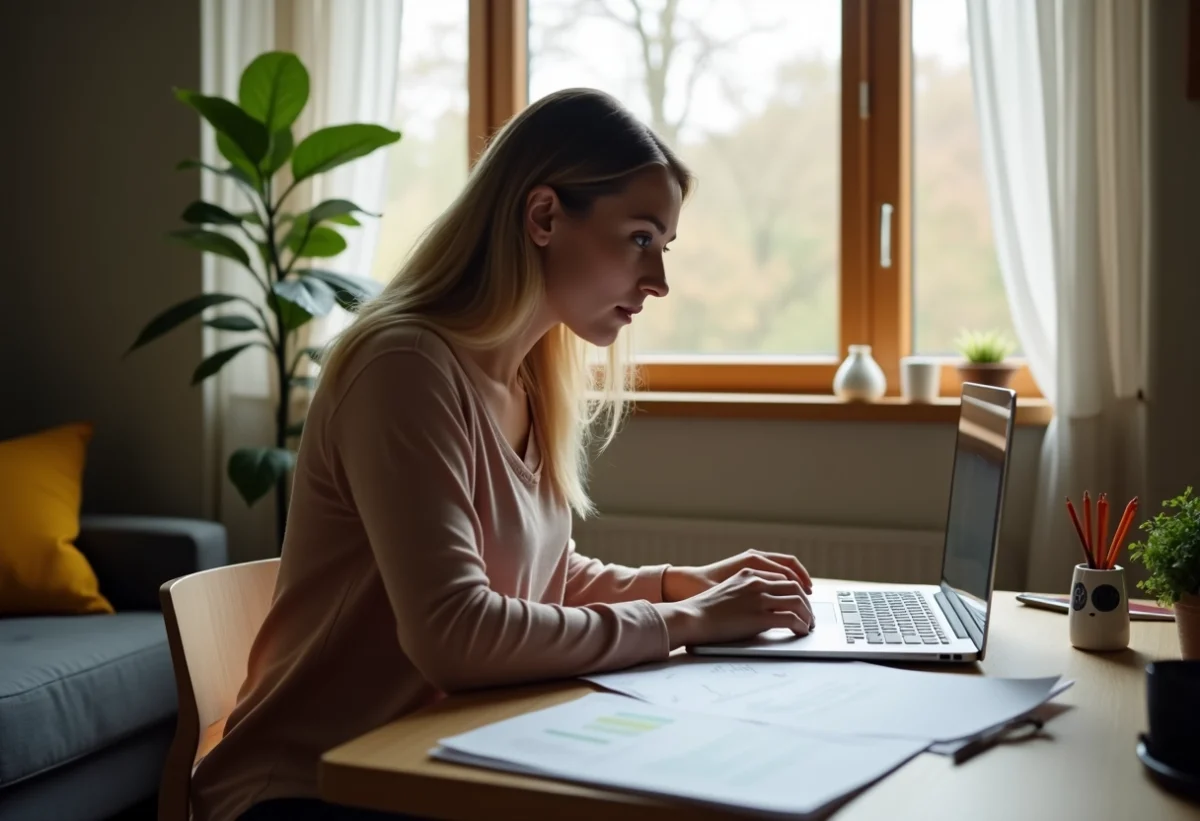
x: 1083, y: 765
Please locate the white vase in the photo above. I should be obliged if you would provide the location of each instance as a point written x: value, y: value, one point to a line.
x: 859, y: 377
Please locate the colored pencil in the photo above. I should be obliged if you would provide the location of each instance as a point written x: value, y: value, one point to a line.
x: 1122, y: 528
x: 1102, y: 529
x: 1079, y: 530
x: 1087, y: 525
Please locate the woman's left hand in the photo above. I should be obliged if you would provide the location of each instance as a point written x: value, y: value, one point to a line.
x: 681, y: 583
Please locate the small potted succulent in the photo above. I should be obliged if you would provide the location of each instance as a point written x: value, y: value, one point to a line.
x: 985, y: 353
x: 1171, y: 552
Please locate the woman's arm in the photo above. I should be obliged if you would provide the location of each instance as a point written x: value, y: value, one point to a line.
x: 590, y: 581
x: 400, y: 437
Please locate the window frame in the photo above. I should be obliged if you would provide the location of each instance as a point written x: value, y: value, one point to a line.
x: 875, y: 301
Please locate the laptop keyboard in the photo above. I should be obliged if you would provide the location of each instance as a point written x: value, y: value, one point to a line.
x: 900, y: 617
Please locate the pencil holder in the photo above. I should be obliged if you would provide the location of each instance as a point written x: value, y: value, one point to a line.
x: 1099, y: 617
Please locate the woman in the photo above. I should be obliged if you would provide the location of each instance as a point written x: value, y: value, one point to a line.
x: 428, y: 547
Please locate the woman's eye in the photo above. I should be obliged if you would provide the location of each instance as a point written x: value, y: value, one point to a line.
x: 643, y: 240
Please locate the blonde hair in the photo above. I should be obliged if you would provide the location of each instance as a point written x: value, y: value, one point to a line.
x: 475, y: 274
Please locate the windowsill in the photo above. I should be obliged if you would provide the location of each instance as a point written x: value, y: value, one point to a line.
x: 815, y: 407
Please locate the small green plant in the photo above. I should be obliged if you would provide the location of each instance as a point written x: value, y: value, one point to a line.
x: 269, y: 242
x: 1171, y: 551
x: 984, y: 347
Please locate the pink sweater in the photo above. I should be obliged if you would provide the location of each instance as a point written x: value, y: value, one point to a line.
x: 422, y: 556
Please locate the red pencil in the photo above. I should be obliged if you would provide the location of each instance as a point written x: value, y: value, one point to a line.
x: 1079, y: 530
x: 1087, y: 525
x: 1102, y: 530
x: 1123, y: 527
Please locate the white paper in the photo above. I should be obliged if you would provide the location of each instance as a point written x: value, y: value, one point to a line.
x: 853, y: 698
x: 616, y: 742
x: 951, y: 747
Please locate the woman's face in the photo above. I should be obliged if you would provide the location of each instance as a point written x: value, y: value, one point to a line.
x: 601, y: 267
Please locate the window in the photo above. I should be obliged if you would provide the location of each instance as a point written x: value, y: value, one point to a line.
x: 841, y: 197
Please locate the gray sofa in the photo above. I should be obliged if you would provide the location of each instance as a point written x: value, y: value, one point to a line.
x: 87, y: 703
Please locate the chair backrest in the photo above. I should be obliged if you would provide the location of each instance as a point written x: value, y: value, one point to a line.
x: 212, y: 618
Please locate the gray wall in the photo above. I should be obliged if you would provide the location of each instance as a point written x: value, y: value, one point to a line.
x: 91, y: 133
x: 1173, y: 421
x: 88, y: 171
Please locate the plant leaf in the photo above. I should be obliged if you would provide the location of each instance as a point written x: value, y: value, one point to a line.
x: 346, y: 219
x: 256, y: 471
x: 312, y: 352
x: 308, y: 382
x: 232, y: 172
x: 176, y: 315
x: 329, y: 147
x: 233, y: 322
x: 217, y: 361
x: 250, y: 217
x: 247, y: 133
x: 334, y: 210
x: 348, y: 289
x: 232, y: 152
x: 212, y: 242
x: 322, y: 241
x: 205, y: 213
x: 295, y: 430
x: 308, y: 294
x: 281, y: 150
x: 274, y: 89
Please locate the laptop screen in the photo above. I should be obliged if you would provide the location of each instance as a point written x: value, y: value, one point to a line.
x: 977, y: 493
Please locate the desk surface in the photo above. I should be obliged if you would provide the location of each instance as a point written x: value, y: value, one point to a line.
x: 1082, y: 766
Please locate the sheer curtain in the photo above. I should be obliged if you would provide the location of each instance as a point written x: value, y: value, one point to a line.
x: 1059, y: 89
x: 351, y: 49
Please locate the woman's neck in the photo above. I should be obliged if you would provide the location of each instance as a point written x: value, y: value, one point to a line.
x: 502, y: 364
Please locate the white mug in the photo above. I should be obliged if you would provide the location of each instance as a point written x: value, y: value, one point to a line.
x: 1099, y: 615
x: 920, y: 378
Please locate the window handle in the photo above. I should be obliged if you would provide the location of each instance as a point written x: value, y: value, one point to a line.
x: 885, y: 235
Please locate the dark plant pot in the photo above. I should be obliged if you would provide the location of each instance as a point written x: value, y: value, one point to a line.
x: 1187, y: 620
x: 996, y: 374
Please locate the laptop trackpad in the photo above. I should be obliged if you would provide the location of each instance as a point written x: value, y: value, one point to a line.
x: 824, y: 612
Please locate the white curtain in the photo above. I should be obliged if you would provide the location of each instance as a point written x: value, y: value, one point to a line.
x: 1059, y: 90
x: 351, y: 49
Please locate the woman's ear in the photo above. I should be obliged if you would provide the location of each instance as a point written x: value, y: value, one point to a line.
x: 541, y: 209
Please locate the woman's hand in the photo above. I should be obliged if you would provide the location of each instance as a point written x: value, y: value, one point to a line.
x: 681, y: 583
x: 740, y: 607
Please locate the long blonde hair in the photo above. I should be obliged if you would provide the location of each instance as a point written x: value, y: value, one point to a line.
x: 475, y: 274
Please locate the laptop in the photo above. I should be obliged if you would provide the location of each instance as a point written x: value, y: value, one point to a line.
x: 947, y: 622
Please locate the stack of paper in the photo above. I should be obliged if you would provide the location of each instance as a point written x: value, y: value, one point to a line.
x: 853, y: 698
x: 613, y: 741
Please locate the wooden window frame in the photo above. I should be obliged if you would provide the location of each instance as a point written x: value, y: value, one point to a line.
x: 875, y: 301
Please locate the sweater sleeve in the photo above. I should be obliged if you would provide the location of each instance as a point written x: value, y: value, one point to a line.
x: 400, y: 437
x: 590, y: 581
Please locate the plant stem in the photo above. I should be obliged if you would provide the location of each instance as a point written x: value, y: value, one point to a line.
x: 280, y: 347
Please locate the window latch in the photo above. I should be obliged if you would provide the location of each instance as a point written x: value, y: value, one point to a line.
x: 885, y: 235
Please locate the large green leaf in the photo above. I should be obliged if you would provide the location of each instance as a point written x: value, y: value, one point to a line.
x: 348, y: 289
x: 205, y: 213
x: 217, y: 361
x: 233, y: 322
x: 238, y: 159
x: 248, y: 133
x: 212, y: 242
x: 281, y: 150
x: 255, y: 472
x: 233, y: 172
x: 320, y: 241
x: 329, y: 147
x: 333, y: 210
x: 302, y: 298
x: 307, y: 382
x: 274, y: 89
x: 176, y: 315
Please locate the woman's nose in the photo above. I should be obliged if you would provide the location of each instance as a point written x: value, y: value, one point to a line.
x: 656, y: 283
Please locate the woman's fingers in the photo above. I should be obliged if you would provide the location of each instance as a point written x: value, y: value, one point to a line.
x: 782, y: 563
x: 797, y: 605
x: 791, y: 621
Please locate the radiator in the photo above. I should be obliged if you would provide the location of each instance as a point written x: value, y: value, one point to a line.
x: 912, y: 556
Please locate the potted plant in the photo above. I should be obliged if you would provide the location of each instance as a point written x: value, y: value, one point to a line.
x: 1171, y: 553
x: 273, y: 244
x: 985, y: 353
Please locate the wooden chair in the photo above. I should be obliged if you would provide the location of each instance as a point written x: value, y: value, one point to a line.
x: 212, y: 618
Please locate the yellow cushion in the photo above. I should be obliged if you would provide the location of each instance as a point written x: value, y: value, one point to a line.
x: 41, y: 487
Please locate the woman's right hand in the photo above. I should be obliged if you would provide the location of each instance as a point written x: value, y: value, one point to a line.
x: 738, y: 608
